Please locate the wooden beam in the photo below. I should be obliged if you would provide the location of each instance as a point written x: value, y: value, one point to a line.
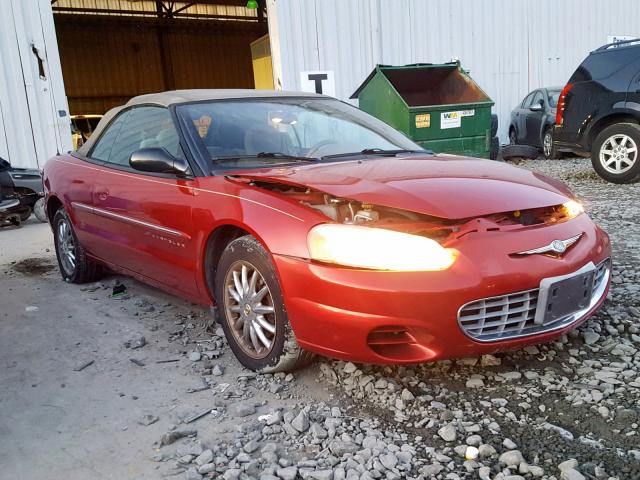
x: 148, y: 13
x: 188, y: 5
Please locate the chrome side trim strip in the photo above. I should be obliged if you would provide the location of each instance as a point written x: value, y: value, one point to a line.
x: 192, y: 189
x: 134, y: 221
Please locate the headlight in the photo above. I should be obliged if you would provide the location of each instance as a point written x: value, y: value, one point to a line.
x: 377, y: 249
x: 572, y: 208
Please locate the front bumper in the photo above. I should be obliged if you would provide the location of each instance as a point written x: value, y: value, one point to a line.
x: 409, y: 317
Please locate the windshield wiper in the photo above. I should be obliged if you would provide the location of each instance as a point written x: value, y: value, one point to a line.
x: 377, y: 151
x: 285, y: 156
x: 274, y: 155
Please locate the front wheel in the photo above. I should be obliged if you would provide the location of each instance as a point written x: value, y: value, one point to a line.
x: 74, y: 265
x: 614, y: 154
x: 252, y: 310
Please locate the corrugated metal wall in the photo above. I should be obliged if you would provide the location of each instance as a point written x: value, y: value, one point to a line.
x: 107, y: 60
x: 510, y: 46
x: 34, y: 118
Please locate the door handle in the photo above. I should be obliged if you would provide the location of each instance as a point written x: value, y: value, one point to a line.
x: 103, y: 195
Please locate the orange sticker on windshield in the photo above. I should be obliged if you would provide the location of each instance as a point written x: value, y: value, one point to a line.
x: 202, y: 124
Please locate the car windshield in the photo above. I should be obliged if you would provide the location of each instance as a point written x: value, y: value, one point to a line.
x: 264, y: 131
x: 553, y: 96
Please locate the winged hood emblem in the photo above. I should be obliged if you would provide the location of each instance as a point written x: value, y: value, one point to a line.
x: 556, y: 247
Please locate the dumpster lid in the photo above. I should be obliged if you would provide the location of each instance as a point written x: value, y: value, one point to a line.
x: 379, y: 67
x: 428, y: 84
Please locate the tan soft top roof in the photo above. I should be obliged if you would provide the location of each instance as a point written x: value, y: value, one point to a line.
x: 174, y: 97
x: 182, y: 96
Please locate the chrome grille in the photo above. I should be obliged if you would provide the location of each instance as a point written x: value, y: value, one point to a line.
x: 512, y: 315
x: 601, y: 272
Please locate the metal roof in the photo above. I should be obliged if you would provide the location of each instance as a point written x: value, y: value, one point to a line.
x: 198, y: 95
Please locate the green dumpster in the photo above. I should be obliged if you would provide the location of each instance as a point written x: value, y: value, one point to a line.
x: 438, y: 106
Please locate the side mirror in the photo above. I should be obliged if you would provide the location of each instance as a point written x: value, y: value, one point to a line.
x: 537, y: 107
x: 158, y: 160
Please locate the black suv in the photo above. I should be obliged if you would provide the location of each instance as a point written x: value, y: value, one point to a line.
x: 599, y: 111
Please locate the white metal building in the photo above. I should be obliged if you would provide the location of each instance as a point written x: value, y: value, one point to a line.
x: 509, y: 46
x: 34, y: 117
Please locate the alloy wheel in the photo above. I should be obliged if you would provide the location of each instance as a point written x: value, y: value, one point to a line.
x: 618, y: 154
x: 249, y: 306
x: 513, y: 140
x: 66, y: 247
x: 547, y: 144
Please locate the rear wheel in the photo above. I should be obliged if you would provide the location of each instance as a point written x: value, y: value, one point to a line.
x: 252, y: 310
x: 74, y: 265
x: 614, y: 154
x: 513, y: 138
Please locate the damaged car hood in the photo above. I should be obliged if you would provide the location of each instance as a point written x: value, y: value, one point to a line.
x: 441, y: 186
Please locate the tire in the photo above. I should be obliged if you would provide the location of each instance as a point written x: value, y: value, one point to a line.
x: 39, y: 210
x: 81, y: 269
x: 494, y: 124
x: 513, y: 137
x: 24, y: 216
x: 549, y: 151
x: 255, y: 345
x: 494, y: 149
x: 11, y: 220
x: 519, y: 151
x: 619, y: 166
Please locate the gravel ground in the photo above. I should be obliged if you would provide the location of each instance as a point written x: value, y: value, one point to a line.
x: 566, y: 410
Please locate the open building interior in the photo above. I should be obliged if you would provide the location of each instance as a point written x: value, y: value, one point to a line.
x: 112, y: 50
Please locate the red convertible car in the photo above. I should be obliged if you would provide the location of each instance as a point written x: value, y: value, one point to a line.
x: 314, y: 228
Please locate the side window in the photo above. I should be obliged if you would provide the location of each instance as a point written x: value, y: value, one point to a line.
x: 145, y: 127
x: 537, y: 98
x: 527, y: 100
x: 102, y: 149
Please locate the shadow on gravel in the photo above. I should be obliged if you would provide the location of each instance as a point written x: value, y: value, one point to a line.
x: 33, y: 267
x: 584, y: 175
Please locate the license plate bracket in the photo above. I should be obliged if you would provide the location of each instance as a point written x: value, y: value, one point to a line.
x: 562, y: 296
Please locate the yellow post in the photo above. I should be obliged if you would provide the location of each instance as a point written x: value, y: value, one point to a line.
x: 262, y: 68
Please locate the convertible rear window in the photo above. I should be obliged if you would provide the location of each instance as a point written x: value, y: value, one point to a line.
x: 295, y: 127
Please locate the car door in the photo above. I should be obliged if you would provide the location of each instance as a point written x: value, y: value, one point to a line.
x: 633, y: 92
x: 520, y: 114
x: 533, y: 119
x: 146, y: 222
x: 79, y: 179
